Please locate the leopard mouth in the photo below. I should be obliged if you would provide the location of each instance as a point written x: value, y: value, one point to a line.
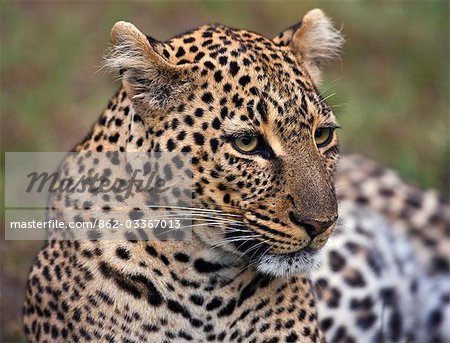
x: 260, y: 254
x: 302, y: 261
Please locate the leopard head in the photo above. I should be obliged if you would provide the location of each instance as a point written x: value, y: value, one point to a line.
x: 262, y: 139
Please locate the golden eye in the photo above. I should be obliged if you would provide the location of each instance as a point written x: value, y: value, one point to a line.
x: 323, y: 136
x: 246, y: 143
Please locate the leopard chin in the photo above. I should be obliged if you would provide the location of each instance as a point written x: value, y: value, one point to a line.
x: 302, y: 262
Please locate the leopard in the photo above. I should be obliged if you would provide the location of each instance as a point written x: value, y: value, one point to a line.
x: 299, y: 243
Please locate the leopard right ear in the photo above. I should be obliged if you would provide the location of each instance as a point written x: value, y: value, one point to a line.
x: 150, y: 79
x: 313, y: 41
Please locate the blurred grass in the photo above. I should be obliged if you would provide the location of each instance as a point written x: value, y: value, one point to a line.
x: 391, y: 84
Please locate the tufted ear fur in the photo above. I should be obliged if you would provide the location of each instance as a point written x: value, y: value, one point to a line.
x: 150, y: 80
x: 313, y: 41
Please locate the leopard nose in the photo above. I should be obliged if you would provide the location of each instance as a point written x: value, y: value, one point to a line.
x: 315, y: 227
x: 312, y: 227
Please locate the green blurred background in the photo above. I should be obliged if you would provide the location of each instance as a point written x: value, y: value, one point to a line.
x: 391, y: 84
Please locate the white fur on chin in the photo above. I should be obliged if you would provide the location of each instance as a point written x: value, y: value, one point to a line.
x: 303, y: 262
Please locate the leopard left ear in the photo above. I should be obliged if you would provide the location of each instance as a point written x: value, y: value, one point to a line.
x: 313, y: 41
x: 151, y: 80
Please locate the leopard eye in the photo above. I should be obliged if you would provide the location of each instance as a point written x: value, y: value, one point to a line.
x: 246, y: 144
x: 323, y: 136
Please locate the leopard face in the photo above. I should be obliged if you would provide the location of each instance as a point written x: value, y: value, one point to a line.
x: 262, y: 140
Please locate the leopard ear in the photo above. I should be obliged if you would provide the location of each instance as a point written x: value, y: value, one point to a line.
x: 148, y: 77
x: 313, y: 41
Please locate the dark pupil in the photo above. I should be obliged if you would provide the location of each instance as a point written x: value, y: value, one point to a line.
x: 319, y: 133
x: 246, y: 140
